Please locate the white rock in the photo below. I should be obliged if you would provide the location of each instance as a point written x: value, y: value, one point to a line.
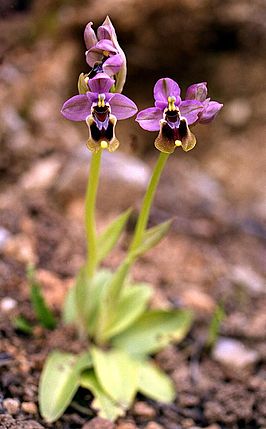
x: 4, y: 236
x: 237, y: 113
x: 7, y: 304
x: 21, y: 248
x: 248, y: 278
x: 198, y: 300
x: 125, y: 168
x: 11, y: 120
x: 41, y: 175
x: 11, y: 405
x: 233, y: 353
x: 123, y: 178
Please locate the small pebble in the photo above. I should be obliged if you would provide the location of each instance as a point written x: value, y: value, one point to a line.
x: 98, y: 423
x: 7, y: 422
x: 153, y: 425
x: 21, y: 248
x: 126, y: 425
x: 41, y: 175
x: 5, y: 359
x: 230, y: 352
x: 214, y: 426
x: 29, y: 407
x: 7, y: 304
x: 11, y: 405
x: 4, y: 236
x: 187, y: 424
x: 141, y: 408
x: 237, y: 112
x: 198, y: 301
x: 248, y: 278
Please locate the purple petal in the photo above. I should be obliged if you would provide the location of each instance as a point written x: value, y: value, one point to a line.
x: 93, y: 96
x: 165, y: 88
x: 89, y: 36
x: 101, y: 83
x: 197, y: 91
x: 106, y: 30
x: 149, y: 119
x: 113, y: 64
x: 77, y: 108
x: 93, y: 56
x: 103, y: 32
x: 122, y: 107
x: 106, y: 45
x: 210, y: 110
x: 163, y: 104
x: 190, y: 109
x: 96, y: 52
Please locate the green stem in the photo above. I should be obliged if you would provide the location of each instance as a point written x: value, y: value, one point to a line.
x: 118, y: 280
x: 147, y: 202
x: 90, y: 223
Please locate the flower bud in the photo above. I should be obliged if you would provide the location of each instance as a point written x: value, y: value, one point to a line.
x: 198, y: 91
x: 82, y: 84
x: 107, y: 29
x: 210, y: 110
x: 89, y: 36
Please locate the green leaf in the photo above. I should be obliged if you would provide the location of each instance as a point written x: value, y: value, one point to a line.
x: 99, y: 285
x: 152, y: 237
x: 59, y: 382
x: 102, y: 402
x: 214, y: 327
x: 154, y: 383
x: 88, y: 293
x: 108, y: 239
x: 153, y: 331
x: 109, y: 299
x: 117, y: 374
x: 82, y: 289
x: 131, y: 305
x: 22, y: 325
x: 84, y: 361
x: 42, y: 311
x: 70, y: 310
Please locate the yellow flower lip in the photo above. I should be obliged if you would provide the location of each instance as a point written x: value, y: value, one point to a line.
x: 104, y: 144
x: 101, y: 102
x: 171, y: 103
x: 178, y: 143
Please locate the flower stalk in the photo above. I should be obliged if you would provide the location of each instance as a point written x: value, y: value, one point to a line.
x: 147, y: 202
x: 90, y: 223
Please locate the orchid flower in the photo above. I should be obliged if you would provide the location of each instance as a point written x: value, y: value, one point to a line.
x: 101, y: 110
x: 198, y: 91
x: 104, y: 53
x: 171, y: 116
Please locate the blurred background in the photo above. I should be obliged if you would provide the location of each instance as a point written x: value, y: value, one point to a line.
x: 217, y: 189
x: 216, y: 193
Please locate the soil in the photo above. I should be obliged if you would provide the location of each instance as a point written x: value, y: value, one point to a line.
x: 214, y: 254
